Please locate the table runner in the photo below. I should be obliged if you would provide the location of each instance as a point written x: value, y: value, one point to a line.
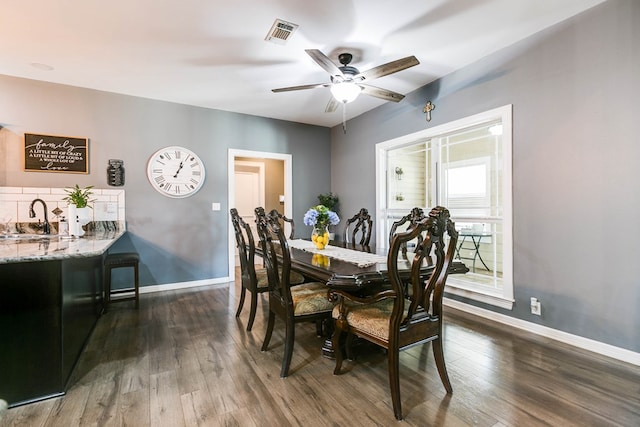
x: 361, y: 259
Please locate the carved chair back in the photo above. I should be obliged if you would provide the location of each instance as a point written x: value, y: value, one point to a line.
x: 281, y: 217
x: 246, y: 250
x: 271, y: 233
x: 359, y: 223
x: 411, y: 219
x: 425, y: 296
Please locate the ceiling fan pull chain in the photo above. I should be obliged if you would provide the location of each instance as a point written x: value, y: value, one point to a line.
x: 344, y: 117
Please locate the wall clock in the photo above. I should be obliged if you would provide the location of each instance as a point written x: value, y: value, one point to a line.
x: 175, y: 172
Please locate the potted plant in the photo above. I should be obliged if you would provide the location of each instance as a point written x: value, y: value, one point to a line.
x: 78, y: 196
x: 78, y: 200
x: 330, y: 201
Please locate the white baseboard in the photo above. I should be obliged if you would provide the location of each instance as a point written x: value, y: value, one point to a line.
x: 574, y: 340
x: 221, y: 282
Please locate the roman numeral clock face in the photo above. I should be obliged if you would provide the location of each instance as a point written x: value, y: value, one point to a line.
x: 175, y: 172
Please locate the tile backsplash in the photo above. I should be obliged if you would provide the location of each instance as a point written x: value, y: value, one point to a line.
x: 108, y: 204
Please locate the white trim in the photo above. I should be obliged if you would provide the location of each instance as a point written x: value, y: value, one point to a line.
x: 288, y: 189
x: 598, y: 347
x: 219, y: 282
x: 496, y: 300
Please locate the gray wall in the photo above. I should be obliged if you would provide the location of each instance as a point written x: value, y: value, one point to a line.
x: 179, y: 240
x: 575, y: 90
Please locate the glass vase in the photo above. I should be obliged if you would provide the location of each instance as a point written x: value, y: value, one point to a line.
x: 320, y: 236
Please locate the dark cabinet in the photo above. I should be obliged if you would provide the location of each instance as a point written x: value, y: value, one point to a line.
x: 47, y: 312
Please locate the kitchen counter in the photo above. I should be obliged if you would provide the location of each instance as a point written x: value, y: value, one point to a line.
x: 51, y: 296
x: 52, y: 247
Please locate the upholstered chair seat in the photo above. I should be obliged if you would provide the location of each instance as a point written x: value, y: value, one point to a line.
x: 310, y: 298
x: 372, y: 319
x: 262, y: 281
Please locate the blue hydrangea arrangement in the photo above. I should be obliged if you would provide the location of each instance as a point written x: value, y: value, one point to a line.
x: 320, y: 215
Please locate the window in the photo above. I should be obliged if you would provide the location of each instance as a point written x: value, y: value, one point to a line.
x: 466, y: 167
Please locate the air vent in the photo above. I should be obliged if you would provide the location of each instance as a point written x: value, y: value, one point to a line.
x: 281, y: 31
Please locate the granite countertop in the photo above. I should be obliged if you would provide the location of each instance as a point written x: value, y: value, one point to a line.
x: 52, y: 247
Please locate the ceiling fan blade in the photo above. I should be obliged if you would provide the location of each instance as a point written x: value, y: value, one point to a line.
x: 324, y: 61
x: 385, y: 94
x: 388, y: 68
x: 332, y: 105
x: 302, y: 87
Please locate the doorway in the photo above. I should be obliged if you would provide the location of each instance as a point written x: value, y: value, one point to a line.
x: 257, y: 178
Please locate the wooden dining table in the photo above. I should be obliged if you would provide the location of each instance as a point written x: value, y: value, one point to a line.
x: 349, y: 276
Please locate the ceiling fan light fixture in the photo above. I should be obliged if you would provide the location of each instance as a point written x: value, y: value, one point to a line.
x: 345, y: 92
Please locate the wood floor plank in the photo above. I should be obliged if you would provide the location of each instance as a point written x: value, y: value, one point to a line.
x: 67, y: 411
x: 134, y: 409
x: 183, y: 358
x: 197, y: 408
x: 165, y: 400
x: 102, y: 408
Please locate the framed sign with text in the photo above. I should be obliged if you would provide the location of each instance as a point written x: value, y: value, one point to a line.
x: 47, y: 153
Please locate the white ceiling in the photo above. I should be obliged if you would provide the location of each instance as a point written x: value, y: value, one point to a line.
x: 212, y: 53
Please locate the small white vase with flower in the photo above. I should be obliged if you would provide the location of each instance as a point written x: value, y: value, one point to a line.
x: 79, y: 209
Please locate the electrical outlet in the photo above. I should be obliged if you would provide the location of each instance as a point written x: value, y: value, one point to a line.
x: 536, y: 307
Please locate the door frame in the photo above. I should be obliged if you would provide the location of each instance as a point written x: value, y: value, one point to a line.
x: 288, y: 188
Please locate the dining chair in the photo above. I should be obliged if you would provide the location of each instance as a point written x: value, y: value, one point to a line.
x: 290, y: 221
x: 293, y: 304
x: 390, y: 319
x: 361, y: 223
x: 253, y: 279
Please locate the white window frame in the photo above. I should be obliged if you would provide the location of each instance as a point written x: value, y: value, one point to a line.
x: 502, y: 298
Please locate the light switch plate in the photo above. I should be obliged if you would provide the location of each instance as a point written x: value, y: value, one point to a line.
x: 215, y: 206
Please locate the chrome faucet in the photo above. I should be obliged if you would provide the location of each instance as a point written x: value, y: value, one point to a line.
x: 32, y: 214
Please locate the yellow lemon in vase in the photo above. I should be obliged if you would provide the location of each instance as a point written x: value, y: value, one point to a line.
x: 320, y: 238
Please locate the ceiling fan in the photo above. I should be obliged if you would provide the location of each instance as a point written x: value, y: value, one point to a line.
x: 347, y: 82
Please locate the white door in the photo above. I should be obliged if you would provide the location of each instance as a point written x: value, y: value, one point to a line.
x: 249, y: 191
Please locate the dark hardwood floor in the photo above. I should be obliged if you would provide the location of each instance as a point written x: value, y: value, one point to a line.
x: 183, y: 359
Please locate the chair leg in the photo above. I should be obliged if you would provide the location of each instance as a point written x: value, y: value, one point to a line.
x: 438, y: 355
x: 337, y: 351
x: 394, y: 381
x: 252, y: 312
x: 267, y: 335
x: 289, y: 340
x: 241, y: 302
